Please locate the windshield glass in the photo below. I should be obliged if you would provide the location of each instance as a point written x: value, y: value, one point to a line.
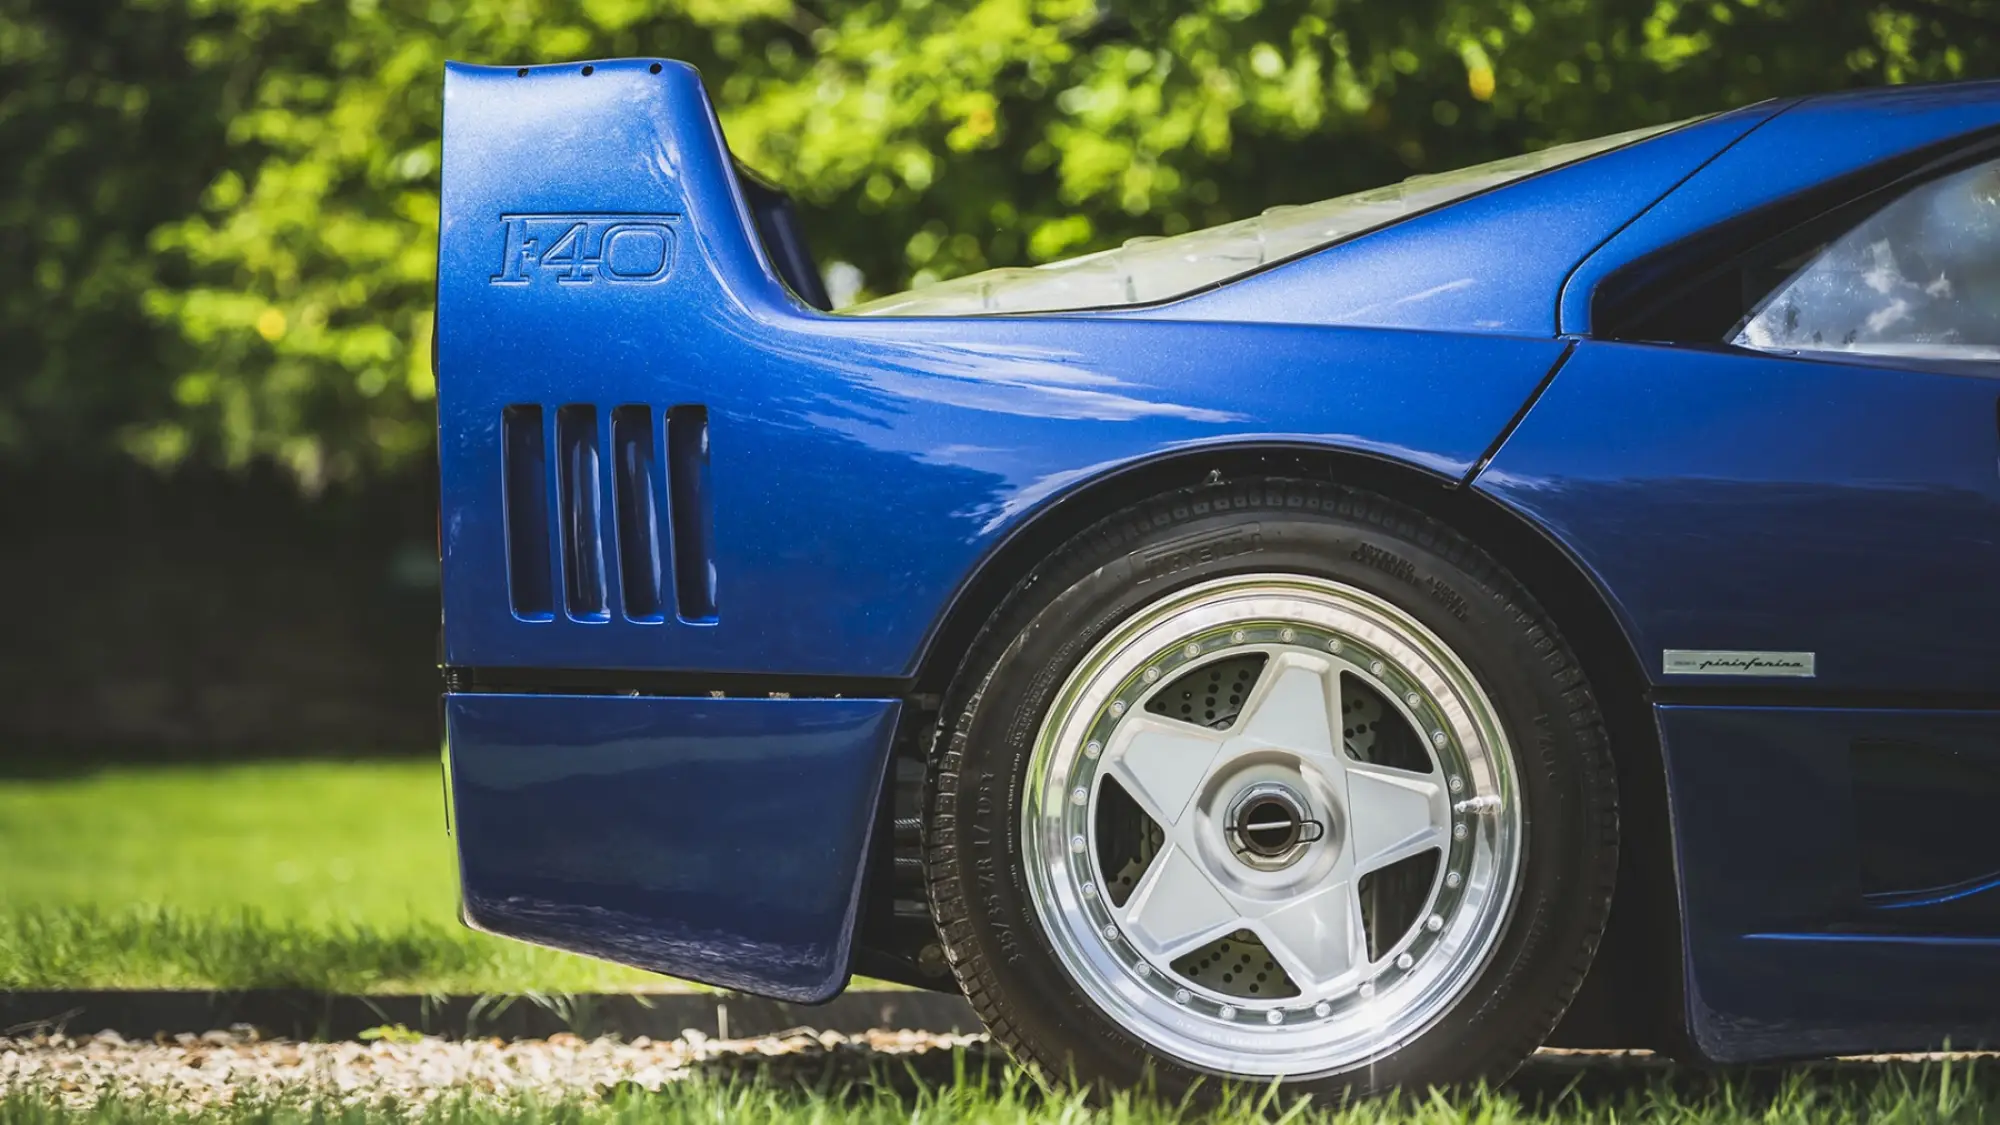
x: 1145, y: 270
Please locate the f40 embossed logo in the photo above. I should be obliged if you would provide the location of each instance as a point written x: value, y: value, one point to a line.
x: 583, y: 249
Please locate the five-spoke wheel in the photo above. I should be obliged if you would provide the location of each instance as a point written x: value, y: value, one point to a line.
x: 1337, y: 826
x: 1268, y: 815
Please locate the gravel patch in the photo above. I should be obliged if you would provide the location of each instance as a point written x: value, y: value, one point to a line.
x: 217, y: 1067
x: 220, y: 1067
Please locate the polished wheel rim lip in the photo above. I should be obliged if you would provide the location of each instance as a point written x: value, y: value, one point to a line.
x: 1335, y: 1025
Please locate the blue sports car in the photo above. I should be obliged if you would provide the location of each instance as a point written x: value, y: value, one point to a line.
x: 1552, y: 602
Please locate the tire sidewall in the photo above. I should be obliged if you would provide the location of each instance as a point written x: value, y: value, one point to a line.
x: 1568, y: 829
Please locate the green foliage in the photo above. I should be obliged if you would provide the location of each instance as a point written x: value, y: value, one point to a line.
x: 108, y: 131
x: 284, y: 154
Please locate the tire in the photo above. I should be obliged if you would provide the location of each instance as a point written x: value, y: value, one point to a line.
x: 1084, y: 699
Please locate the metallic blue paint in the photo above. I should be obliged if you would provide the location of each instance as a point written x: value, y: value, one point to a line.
x: 860, y: 468
x: 1736, y: 500
x: 856, y: 475
x: 715, y: 839
x: 1936, y: 896
x: 1785, y: 955
x: 1491, y: 263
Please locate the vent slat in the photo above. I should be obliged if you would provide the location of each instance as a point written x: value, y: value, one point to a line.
x: 639, y: 490
x: 693, y: 516
x: 582, y: 518
x: 524, y: 455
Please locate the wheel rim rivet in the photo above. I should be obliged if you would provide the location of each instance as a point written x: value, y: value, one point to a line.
x: 1080, y: 796
x: 1367, y: 989
x: 1434, y: 923
x: 1274, y: 1016
x: 1287, y: 636
x: 1333, y: 645
x: 1117, y: 708
x: 1226, y: 1012
x: 1093, y: 748
x: 1413, y: 699
x: 1453, y: 879
x: 1457, y: 783
x: 1322, y: 1009
x: 1144, y: 969
x: 1077, y: 844
x: 1437, y: 739
x: 1404, y: 961
x: 1375, y: 669
x: 1239, y: 636
x: 1182, y: 995
x: 1110, y: 933
x: 1458, y: 831
x: 1090, y: 890
x: 1152, y: 674
x: 1192, y: 649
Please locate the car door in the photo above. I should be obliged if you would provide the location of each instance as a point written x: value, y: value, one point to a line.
x: 1796, y: 514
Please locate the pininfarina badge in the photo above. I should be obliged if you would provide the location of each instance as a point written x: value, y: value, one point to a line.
x: 1721, y: 662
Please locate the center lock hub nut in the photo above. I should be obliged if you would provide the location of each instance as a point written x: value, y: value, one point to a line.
x: 1269, y: 826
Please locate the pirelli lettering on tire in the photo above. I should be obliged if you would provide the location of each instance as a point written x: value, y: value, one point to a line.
x: 1172, y: 558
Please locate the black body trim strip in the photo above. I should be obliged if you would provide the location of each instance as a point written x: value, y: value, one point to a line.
x: 1520, y: 416
x: 727, y: 685
x: 1763, y: 695
x: 756, y: 685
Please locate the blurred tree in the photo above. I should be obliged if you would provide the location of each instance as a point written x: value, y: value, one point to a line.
x: 925, y: 138
x: 310, y: 261
x: 108, y: 131
x: 1017, y: 130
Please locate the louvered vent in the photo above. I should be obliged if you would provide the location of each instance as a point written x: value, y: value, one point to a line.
x: 660, y: 523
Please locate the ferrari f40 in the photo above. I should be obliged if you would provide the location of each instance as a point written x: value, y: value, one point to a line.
x: 1552, y: 602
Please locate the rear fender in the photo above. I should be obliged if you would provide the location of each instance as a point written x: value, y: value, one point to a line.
x: 664, y: 476
x: 826, y: 483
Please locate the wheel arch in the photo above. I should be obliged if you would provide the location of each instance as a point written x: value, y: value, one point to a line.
x: 1632, y: 996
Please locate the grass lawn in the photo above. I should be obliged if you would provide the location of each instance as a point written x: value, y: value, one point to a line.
x: 324, y: 875
x: 339, y: 877
x: 1930, y: 1099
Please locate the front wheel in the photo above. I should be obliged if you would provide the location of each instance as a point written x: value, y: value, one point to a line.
x: 1271, y: 781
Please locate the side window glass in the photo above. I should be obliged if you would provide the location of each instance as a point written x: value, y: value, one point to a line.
x: 1919, y: 278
